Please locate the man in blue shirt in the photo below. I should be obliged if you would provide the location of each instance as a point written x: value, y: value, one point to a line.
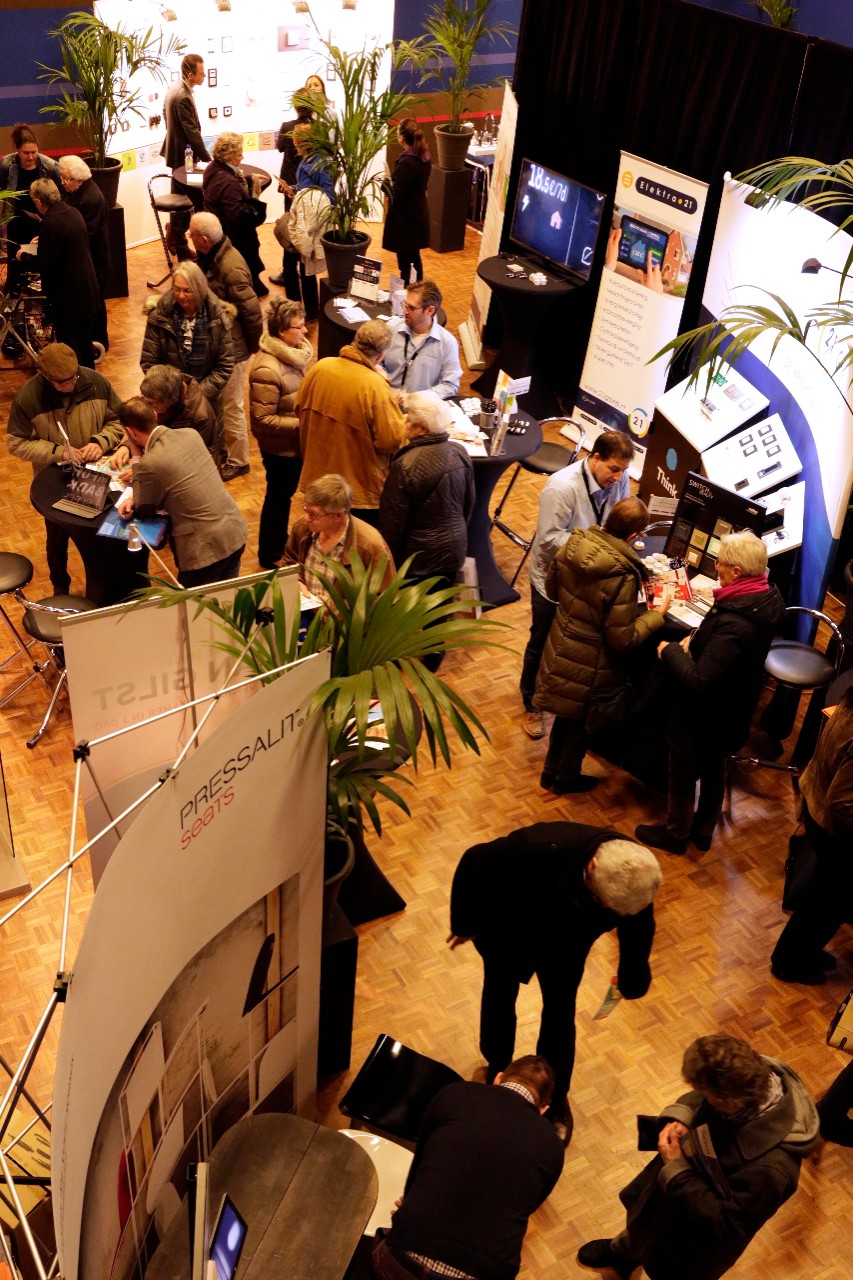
x: 422, y: 356
x: 577, y: 497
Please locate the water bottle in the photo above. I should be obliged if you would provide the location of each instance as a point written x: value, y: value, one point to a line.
x: 189, y: 160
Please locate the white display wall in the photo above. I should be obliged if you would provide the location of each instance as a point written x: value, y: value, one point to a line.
x: 255, y: 57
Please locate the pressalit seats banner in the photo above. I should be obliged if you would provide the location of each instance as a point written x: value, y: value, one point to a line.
x: 194, y: 997
x: 651, y: 245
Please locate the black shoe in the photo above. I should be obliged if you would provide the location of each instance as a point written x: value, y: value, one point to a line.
x: 230, y: 471
x: 827, y: 960
x: 659, y: 838
x: 700, y: 840
x: 583, y: 782
x: 269, y: 565
x: 598, y: 1255
x: 563, y: 1123
x: 806, y: 977
x: 279, y: 279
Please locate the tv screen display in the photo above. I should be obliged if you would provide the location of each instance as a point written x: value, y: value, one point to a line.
x: 557, y: 219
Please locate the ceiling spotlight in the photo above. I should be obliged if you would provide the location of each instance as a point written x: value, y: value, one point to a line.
x: 301, y: 6
x: 224, y: 6
x: 168, y: 15
x: 350, y: 4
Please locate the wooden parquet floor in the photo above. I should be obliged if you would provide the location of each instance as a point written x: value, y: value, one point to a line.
x: 718, y: 913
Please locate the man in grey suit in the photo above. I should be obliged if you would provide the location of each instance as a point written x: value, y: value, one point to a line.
x: 183, y: 130
x: 173, y: 472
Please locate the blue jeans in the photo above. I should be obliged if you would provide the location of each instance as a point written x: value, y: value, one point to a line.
x: 542, y: 611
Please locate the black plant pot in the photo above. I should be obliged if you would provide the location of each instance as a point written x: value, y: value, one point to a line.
x: 106, y: 179
x: 452, y: 148
x: 340, y: 259
x: 337, y: 864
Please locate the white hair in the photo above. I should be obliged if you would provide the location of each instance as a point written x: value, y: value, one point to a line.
x: 75, y: 168
x: 209, y: 225
x: 744, y: 549
x: 428, y: 410
x: 626, y: 876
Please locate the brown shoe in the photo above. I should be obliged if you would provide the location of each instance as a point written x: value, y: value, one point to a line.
x: 533, y: 724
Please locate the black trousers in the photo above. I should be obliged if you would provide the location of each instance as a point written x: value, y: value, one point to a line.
x: 299, y: 286
x: 179, y: 222
x: 685, y: 770
x: 282, y: 482
x: 56, y: 549
x: 559, y: 977
x: 826, y: 903
x: 566, y: 750
x: 405, y: 262
x: 542, y: 611
x: 219, y: 571
x: 834, y: 1108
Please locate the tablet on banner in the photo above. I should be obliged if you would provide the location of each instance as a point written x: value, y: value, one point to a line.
x: 651, y: 245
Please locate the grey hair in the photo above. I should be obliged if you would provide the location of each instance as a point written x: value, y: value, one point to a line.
x: 75, y: 168
x: 228, y: 147
x: 194, y: 277
x: 46, y: 190
x: 626, y: 876
x: 744, y: 549
x: 331, y: 492
x: 162, y: 382
x: 373, y: 338
x: 209, y: 225
x: 428, y: 410
x: 281, y: 315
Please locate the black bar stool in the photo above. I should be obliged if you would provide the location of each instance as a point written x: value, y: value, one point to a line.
x: 16, y: 572
x: 42, y: 620
x: 168, y: 203
x: 544, y: 462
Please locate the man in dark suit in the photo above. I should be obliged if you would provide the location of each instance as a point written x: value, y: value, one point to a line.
x: 183, y: 130
x: 484, y: 1161
x: 534, y: 902
x: 173, y: 472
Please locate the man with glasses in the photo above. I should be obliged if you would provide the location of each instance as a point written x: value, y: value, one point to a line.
x: 330, y: 532
x: 422, y: 356
x: 66, y: 413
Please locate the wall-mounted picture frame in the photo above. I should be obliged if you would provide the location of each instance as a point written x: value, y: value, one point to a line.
x: 331, y: 74
x: 213, y: 113
x: 212, y: 78
x: 227, y: 44
x: 226, y: 111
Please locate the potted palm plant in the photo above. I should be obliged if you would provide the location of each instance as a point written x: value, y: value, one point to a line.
x: 349, y: 139
x: 95, y: 77
x: 445, y: 54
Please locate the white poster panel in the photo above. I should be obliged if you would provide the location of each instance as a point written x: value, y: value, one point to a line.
x: 650, y: 250
x: 759, y: 251
x: 471, y: 330
x: 130, y: 662
x: 194, y: 997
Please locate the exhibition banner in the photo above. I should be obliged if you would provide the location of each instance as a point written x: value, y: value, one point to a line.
x: 471, y: 330
x: 657, y: 215
x: 763, y: 250
x: 130, y: 662
x: 194, y: 997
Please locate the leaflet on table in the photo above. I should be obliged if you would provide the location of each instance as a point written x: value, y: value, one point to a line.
x: 102, y: 466
x: 650, y: 250
x: 153, y: 530
x: 365, y: 278
x: 355, y: 315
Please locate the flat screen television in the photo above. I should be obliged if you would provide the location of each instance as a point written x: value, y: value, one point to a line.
x: 556, y: 219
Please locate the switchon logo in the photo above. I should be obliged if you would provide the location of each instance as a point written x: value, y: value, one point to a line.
x: 667, y: 195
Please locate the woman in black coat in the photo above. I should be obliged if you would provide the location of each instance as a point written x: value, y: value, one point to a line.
x: 407, y: 222
x: 715, y: 675
x: 67, y: 275
x: 428, y: 496
x: 82, y: 194
x: 235, y: 203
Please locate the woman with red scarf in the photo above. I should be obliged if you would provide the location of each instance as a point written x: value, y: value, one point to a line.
x: 715, y: 675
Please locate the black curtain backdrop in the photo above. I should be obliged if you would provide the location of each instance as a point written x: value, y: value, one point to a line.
x: 699, y: 91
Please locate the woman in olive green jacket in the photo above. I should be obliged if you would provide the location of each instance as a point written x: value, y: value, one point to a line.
x: 596, y: 578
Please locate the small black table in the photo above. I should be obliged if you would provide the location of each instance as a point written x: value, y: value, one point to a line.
x: 112, y: 572
x: 335, y: 330
x: 494, y: 588
x: 524, y: 308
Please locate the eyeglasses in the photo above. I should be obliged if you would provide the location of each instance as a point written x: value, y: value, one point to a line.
x: 62, y: 383
x: 314, y: 513
x: 407, y: 306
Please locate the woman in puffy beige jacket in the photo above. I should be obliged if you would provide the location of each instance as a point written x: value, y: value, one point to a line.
x: 275, y: 377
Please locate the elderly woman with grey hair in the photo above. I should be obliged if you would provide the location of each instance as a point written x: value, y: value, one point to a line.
x: 429, y: 493
x: 715, y: 676
x: 81, y: 193
x: 234, y: 200
x: 187, y: 328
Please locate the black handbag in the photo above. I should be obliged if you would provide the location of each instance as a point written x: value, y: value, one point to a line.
x: 607, y: 707
x: 800, y: 866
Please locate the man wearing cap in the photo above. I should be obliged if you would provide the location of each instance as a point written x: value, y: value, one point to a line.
x: 65, y: 413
